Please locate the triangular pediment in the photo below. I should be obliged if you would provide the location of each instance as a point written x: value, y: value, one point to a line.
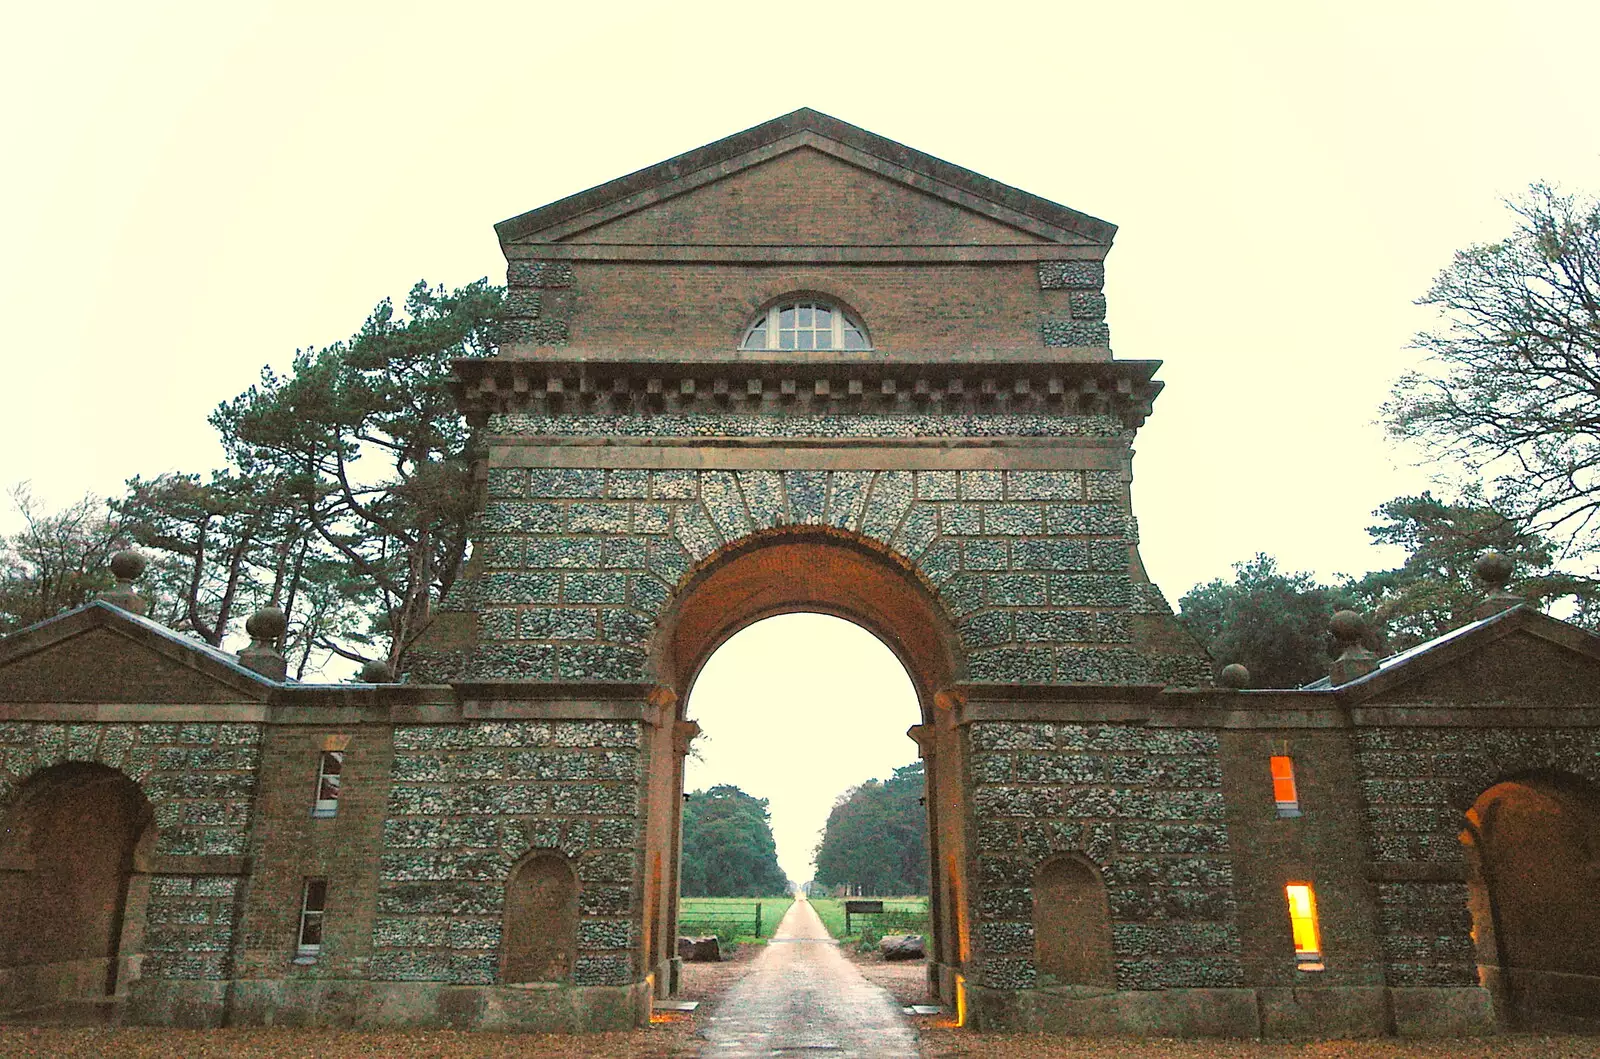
x: 100, y: 654
x: 805, y: 179
x: 1518, y: 658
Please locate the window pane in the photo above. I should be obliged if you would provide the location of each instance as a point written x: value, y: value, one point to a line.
x: 756, y: 339
x: 805, y: 315
x: 311, y: 929
x: 786, y: 316
x: 785, y: 339
x: 328, y: 789
x: 316, y: 894
x: 853, y: 339
x: 332, y: 763
x: 824, y: 317
x: 805, y: 340
x: 824, y: 339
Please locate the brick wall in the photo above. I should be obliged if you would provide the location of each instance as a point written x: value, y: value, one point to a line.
x: 1145, y: 805
x: 1417, y: 784
x: 200, y: 780
x: 468, y: 802
x: 1033, y: 565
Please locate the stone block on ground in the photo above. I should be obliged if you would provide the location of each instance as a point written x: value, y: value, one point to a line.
x: 901, y: 947
x: 700, y: 950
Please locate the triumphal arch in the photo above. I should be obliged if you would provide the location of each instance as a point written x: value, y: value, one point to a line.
x: 804, y: 368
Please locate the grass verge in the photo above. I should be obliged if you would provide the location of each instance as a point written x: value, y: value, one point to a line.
x: 731, y: 918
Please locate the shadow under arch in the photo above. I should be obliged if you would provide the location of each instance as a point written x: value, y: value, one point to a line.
x: 820, y: 570
x: 815, y: 570
x: 72, y: 838
x: 1532, y: 847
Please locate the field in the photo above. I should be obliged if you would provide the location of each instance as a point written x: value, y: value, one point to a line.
x: 901, y: 915
x: 731, y: 918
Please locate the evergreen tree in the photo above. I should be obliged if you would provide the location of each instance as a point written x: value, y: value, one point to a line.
x: 728, y: 849
x: 877, y: 836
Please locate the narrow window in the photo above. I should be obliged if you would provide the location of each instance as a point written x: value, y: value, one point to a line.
x: 1283, y: 788
x: 1303, y: 922
x: 313, y: 901
x: 328, y: 775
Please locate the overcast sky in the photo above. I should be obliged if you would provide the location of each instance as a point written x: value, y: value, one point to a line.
x: 193, y: 190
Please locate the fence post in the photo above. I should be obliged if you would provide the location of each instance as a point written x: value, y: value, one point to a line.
x: 758, y: 919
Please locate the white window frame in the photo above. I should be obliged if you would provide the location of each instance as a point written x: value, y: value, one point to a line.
x: 769, y: 321
x: 312, y: 921
x: 327, y: 781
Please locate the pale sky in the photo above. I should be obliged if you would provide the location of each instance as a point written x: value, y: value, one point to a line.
x: 191, y: 190
x: 800, y: 727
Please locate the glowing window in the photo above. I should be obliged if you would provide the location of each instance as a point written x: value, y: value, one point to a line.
x: 1283, y: 788
x: 804, y: 325
x: 329, y: 774
x: 313, y: 901
x: 1303, y: 922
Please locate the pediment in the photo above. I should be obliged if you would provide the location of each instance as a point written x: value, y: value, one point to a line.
x: 1519, y: 658
x: 805, y: 179
x: 806, y: 197
x: 98, y: 654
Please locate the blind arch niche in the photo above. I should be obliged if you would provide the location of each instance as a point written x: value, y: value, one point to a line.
x: 540, y: 930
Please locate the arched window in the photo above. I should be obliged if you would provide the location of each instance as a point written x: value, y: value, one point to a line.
x: 804, y: 325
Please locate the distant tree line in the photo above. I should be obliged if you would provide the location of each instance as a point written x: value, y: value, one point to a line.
x: 876, y: 838
x: 728, y: 849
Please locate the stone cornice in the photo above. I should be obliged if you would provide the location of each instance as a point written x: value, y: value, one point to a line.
x: 553, y: 385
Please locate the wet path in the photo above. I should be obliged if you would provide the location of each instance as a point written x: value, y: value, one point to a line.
x: 803, y: 998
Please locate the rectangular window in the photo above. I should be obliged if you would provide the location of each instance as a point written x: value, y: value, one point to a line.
x: 1283, y: 788
x: 1303, y: 922
x: 313, y: 902
x: 328, y: 775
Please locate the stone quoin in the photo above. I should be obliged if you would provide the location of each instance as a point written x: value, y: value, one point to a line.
x: 804, y: 368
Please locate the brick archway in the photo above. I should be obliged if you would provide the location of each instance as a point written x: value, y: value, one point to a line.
x: 71, y: 837
x: 815, y: 570
x: 845, y: 575
x: 1530, y: 845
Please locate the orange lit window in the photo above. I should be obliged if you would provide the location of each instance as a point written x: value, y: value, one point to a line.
x: 1283, y: 789
x: 1303, y: 921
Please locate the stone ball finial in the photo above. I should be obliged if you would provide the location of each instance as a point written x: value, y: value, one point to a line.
x: 1494, y: 569
x: 267, y: 625
x: 376, y: 671
x: 1347, y: 626
x: 1234, y: 676
x: 128, y: 565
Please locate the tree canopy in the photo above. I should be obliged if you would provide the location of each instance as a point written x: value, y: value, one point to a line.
x: 876, y: 837
x: 1511, y: 387
x: 1274, y: 623
x: 728, y: 849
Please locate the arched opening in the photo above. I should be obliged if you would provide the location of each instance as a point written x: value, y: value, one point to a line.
x: 539, y: 934
x: 1072, y: 923
x: 66, y: 861
x: 813, y: 575
x: 1533, y: 856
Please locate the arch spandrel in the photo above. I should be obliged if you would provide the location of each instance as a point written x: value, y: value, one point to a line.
x: 813, y: 570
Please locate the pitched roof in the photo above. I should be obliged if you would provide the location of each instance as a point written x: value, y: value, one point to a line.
x: 1451, y: 646
x: 801, y: 128
x: 218, y: 664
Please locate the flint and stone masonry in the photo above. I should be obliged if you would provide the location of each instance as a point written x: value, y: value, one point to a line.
x: 1108, y: 852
